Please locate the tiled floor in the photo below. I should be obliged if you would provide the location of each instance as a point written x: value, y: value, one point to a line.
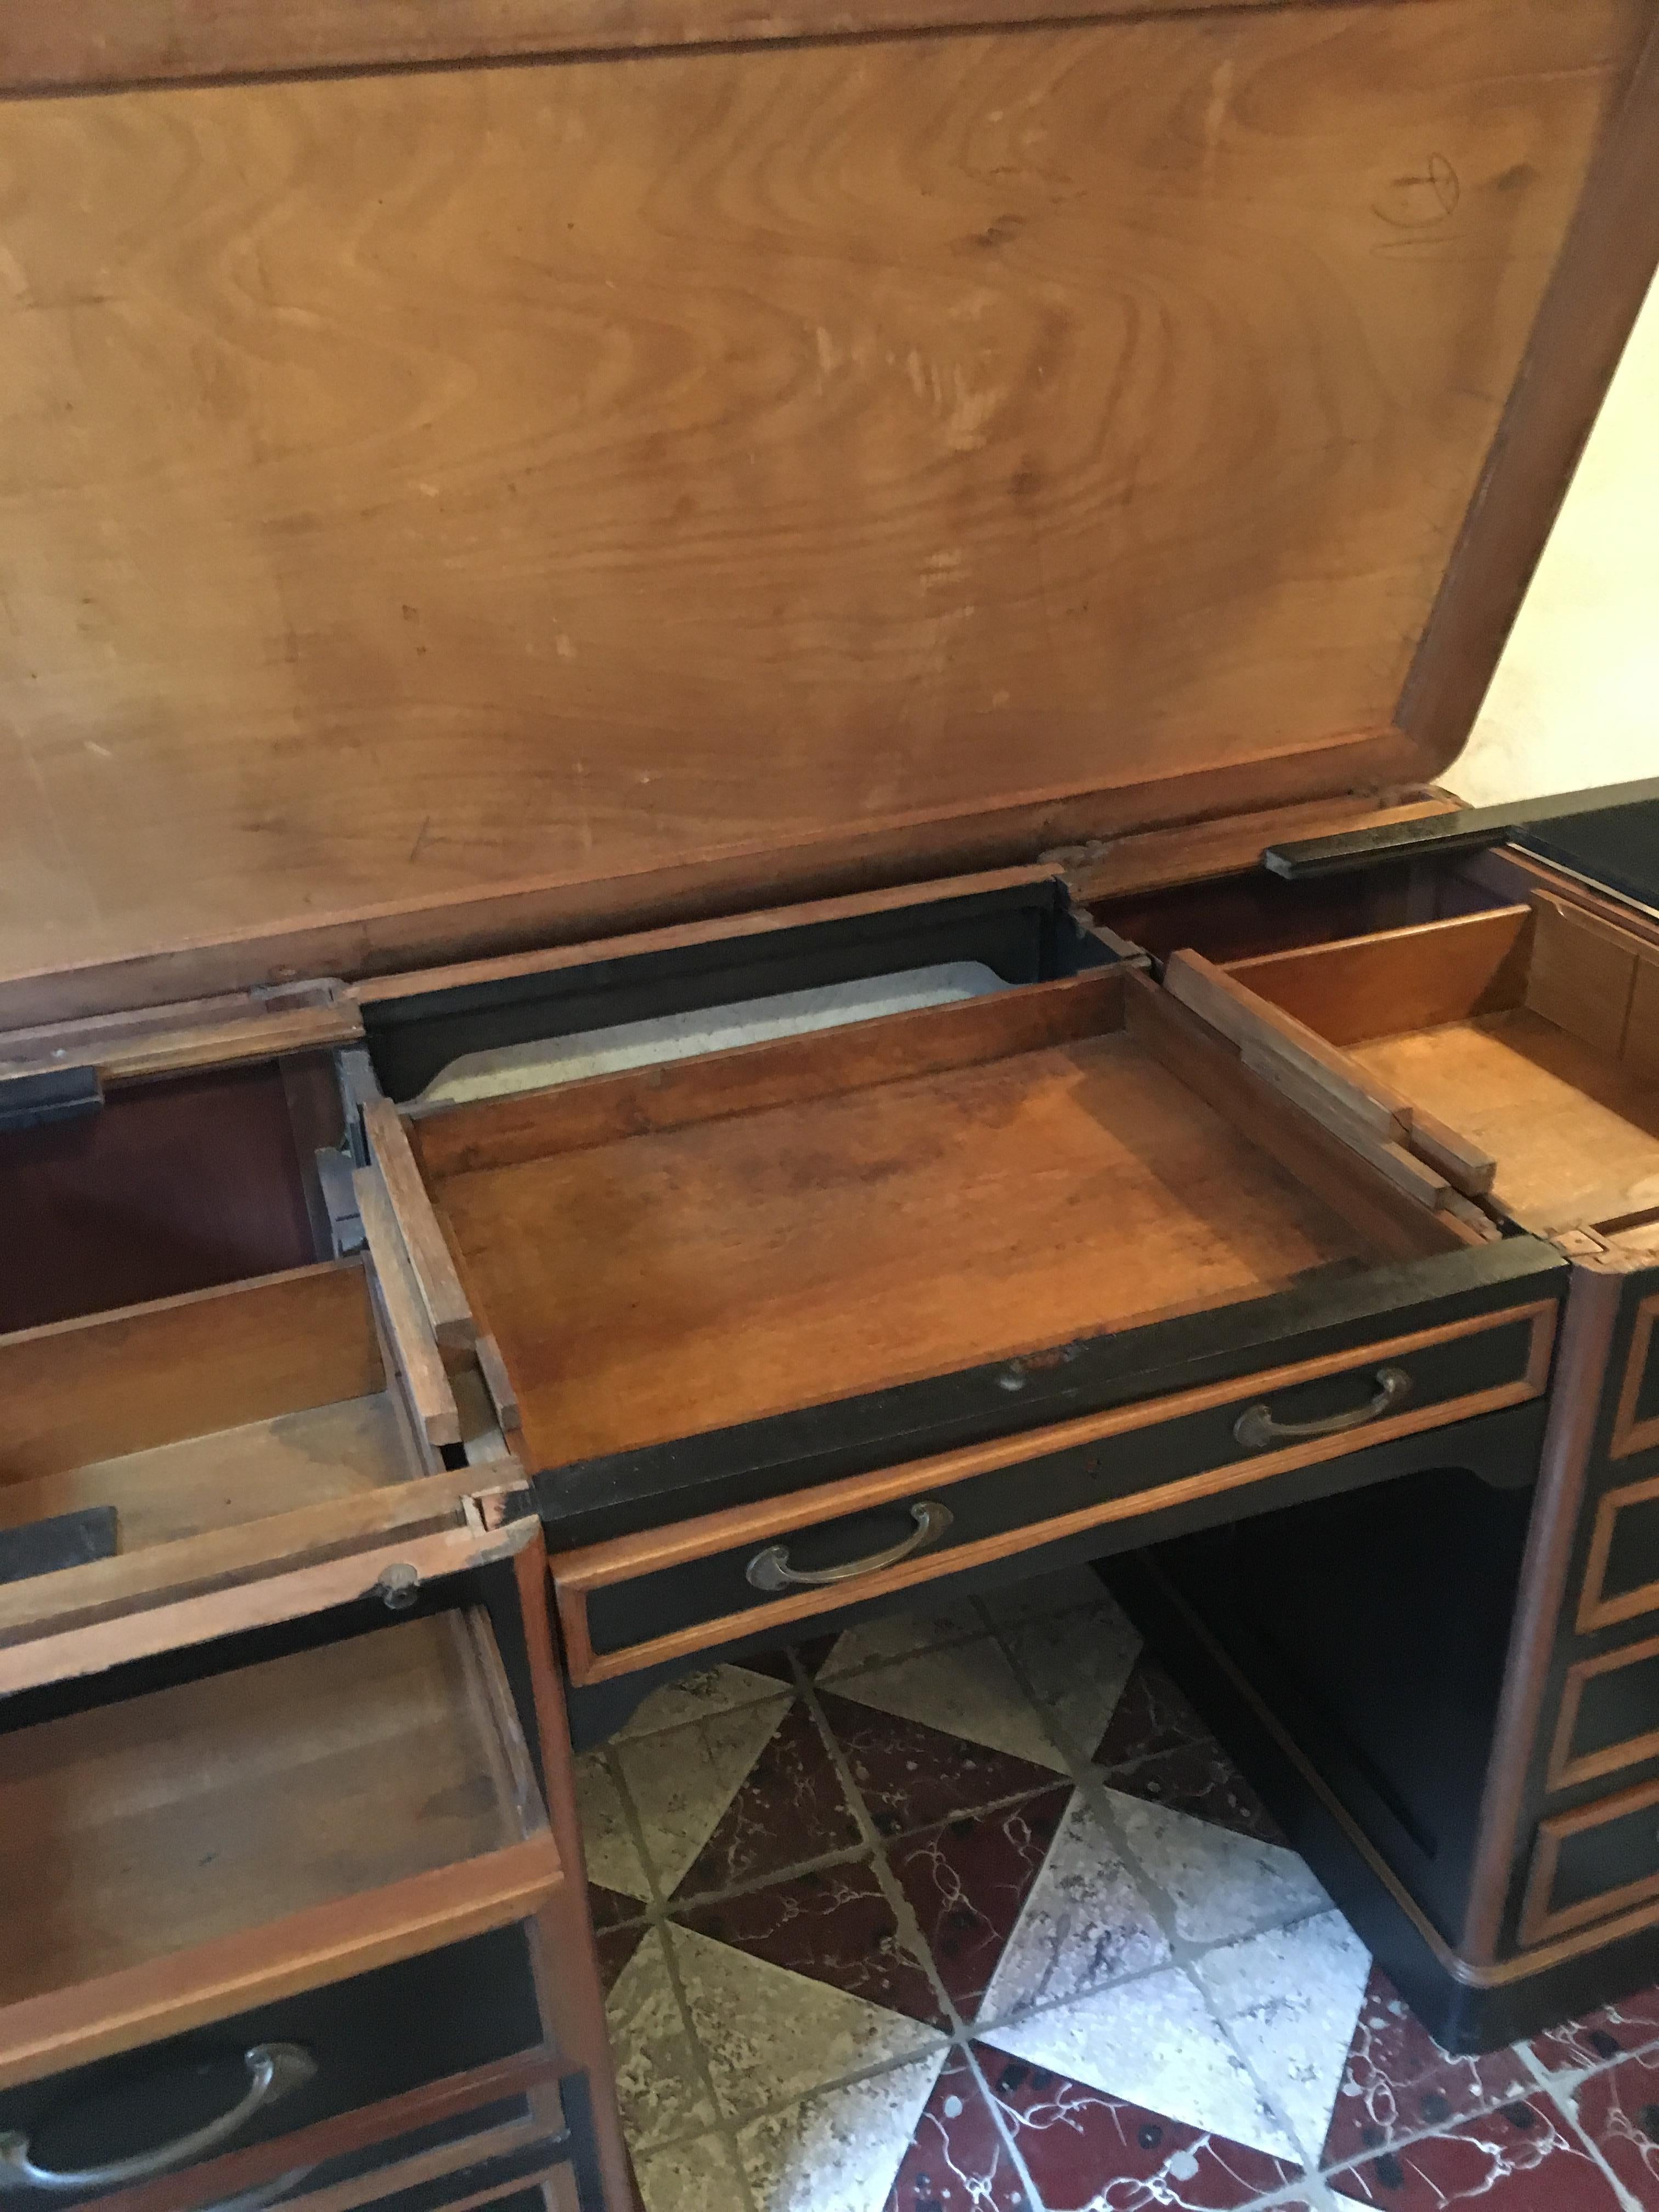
x: 967, y: 1914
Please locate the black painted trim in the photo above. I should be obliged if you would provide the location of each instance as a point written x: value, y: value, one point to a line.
x: 1023, y: 933
x: 1439, y: 837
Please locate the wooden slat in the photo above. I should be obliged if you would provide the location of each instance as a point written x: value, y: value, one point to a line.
x: 90, y: 1390
x: 1582, y: 975
x: 1154, y: 860
x: 1390, y: 1157
x: 428, y: 1256
x: 752, y: 1078
x: 499, y: 1384
x: 419, y: 1360
x: 1395, y: 980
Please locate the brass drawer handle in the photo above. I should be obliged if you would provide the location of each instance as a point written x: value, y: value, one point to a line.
x: 274, y: 2070
x: 1257, y: 1429
x: 771, y: 1570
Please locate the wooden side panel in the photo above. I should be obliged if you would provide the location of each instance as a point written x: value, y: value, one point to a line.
x: 600, y: 475
x: 87, y: 1390
x: 1400, y: 979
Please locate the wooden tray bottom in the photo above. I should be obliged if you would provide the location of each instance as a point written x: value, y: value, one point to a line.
x: 230, y: 1476
x: 696, y: 1277
x: 1575, y: 1134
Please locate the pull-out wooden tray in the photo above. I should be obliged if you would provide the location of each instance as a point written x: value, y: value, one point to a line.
x: 1534, y: 1029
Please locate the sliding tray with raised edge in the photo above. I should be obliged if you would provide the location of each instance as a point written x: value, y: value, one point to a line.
x: 790, y: 1328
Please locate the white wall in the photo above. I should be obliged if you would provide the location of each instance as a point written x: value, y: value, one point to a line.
x: 1575, y: 700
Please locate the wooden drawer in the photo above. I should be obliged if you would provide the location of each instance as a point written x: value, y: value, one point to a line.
x: 1592, y: 1862
x: 1636, y: 1423
x: 407, y: 2058
x: 645, y: 1600
x: 1608, y: 1717
x: 248, y: 1819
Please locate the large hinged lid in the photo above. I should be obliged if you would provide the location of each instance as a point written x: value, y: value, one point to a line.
x: 617, y: 485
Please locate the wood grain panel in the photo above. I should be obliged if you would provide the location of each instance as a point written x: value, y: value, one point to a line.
x: 86, y: 1390
x: 1400, y: 979
x: 588, y: 474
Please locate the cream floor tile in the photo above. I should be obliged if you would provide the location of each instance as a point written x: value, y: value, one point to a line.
x: 770, y: 2036
x: 612, y: 1856
x: 1220, y: 1884
x: 1155, y: 2044
x: 698, y: 1696
x: 1085, y: 1923
x: 969, y: 1690
x: 897, y: 1636
x: 838, y: 2151
x: 1077, y: 1664
x: 682, y: 1783
x: 1290, y: 1999
x: 700, y: 2176
x: 658, y: 2085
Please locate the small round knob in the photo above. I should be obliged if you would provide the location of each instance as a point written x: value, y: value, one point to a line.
x: 399, y: 1587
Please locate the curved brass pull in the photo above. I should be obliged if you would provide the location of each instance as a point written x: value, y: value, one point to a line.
x: 1257, y: 1429
x: 274, y: 2070
x: 771, y: 1570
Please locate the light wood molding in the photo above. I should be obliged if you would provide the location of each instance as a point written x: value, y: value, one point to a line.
x: 420, y: 1362
x: 576, y: 1574
x: 215, y: 1033
x: 418, y: 1227
x: 1596, y: 1609
x: 1541, y: 1922
x: 1629, y: 1434
x: 1566, y: 1771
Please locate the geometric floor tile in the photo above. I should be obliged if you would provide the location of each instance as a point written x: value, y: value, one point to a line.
x: 1631, y: 2025
x: 770, y: 2037
x: 1290, y: 1998
x: 839, y: 2150
x: 967, y: 1690
x: 614, y: 1865
x: 616, y: 1946
x: 912, y: 1775
x: 898, y: 1636
x: 1084, y: 1923
x: 786, y: 1808
x: 1517, y: 2158
x: 1398, y: 2081
x: 957, y: 2160
x: 967, y: 1882
x: 659, y: 2083
x: 698, y: 1696
x: 1157, y: 1747
x: 682, y: 1783
x: 834, y: 1924
x: 1046, y: 1597
x: 1221, y: 1884
x: 1618, y: 2111
x: 1086, y: 2150
x: 700, y: 2176
x: 1154, y: 2042
x: 610, y: 1908
x: 1078, y: 1665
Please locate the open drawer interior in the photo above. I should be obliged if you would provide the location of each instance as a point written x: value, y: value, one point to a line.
x: 197, y: 1412
x: 1534, y: 1030
x: 375, y: 1794
x: 669, y: 1251
x: 170, y: 1186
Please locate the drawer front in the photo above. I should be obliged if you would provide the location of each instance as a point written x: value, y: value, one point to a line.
x: 1609, y: 1715
x: 1635, y: 1426
x: 1621, y: 1575
x: 641, y: 1600
x: 1593, y: 1862
x: 433, y: 2038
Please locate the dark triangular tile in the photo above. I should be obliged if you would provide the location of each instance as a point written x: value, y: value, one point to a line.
x: 1086, y: 2150
x: 910, y: 1775
x: 1397, y: 2081
x: 789, y: 1810
x: 1156, y: 1748
x: 834, y: 1924
x: 957, y: 2162
x: 966, y: 1882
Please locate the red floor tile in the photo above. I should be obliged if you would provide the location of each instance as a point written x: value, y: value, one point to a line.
x: 1631, y: 2025
x: 790, y: 1807
x: 1087, y: 2151
x: 1619, y: 2110
x: 617, y: 1947
x: 835, y: 1925
x: 1521, y: 2158
x: 967, y: 1881
x: 1157, y: 1747
x: 609, y: 1908
x: 912, y: 1775
x: 1398, y: 2081
x: 957, y: 2161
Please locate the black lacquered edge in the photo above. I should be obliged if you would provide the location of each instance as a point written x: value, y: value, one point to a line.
x: 1441, y: 836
